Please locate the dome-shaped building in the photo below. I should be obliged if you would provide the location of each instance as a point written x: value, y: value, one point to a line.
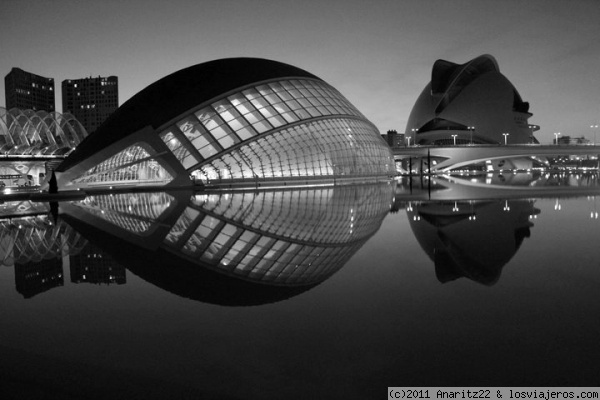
x: 471, y: 103
x: 230, y: 122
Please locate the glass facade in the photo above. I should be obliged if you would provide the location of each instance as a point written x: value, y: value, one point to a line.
x: 28, y: 132
x: 282, y: 237
x: 290, y: 129
x: 130, y: 165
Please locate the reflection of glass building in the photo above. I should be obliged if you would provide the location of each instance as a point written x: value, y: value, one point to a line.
x: 93, y: 265
x: 471, y: 239
x: 28, y: 132
x: 37, y: 277
x: 276, y: 237
x: 230, y: 122
x: 469, y: 103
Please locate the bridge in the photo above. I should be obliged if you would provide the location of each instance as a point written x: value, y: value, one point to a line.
x: 446, y: 158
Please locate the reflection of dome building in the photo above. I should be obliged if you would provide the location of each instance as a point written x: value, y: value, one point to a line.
x: 234, y: 122
x: 268, y: 238
x: 474, y: 240
x: 291, y: 237
x: 473, y: 101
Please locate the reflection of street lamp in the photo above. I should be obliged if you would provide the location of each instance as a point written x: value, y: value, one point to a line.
x: 594, y: 129
x: 505, y: 138
x: 556, y: 136
x: 557, y: 206
x: 454, y: 137
x: 455, y: 208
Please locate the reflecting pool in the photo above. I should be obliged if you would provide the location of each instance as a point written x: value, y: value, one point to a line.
x: 322, y: 292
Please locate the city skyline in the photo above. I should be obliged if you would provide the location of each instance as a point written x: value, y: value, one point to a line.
x: 378, y: 54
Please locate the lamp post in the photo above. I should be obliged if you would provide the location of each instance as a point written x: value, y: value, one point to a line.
x: 471, y: 129
x: 595, y: 130
x: 556, y: 137
x: 414, y: 133
x: 408, y: 140
x: 454, y: 137
x: 505, y: 138
x: 532, y: 130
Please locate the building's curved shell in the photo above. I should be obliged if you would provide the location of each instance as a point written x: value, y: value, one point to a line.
x: 230, y: 122
x: 469, y: 103
x: 29, y: 132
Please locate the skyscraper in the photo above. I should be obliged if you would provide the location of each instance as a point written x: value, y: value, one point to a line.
x: 25, y: 90
x: 90, y: 100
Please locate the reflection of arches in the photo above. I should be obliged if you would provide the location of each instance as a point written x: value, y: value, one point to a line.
x: 36, y: 239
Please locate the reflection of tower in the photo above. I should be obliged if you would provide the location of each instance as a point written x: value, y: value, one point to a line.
x: 37, y: 277
x: 474, y: 240
x: 93, y: 265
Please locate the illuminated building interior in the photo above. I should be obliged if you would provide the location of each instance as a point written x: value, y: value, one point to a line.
x: 231, y: 122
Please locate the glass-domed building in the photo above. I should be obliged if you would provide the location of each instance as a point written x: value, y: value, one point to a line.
x: 471, y: 103
x: 226, y: 123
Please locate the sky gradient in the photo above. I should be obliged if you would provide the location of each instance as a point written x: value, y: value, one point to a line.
x: 379, y: 54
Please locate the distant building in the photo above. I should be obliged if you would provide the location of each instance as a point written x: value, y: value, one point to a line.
x: 471, y: 103
x: 25, y: 90
x: 90, y: 100
x: 394, y: 139
x: 572, y: 140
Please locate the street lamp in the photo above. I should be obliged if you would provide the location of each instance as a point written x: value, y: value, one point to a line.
x: 556, y: 136
x: 454, y: 137
x: 471, y: 129
x: 505, y: 138
x: 408, y: 139
x: 532, y: 127
x: 595, y: 130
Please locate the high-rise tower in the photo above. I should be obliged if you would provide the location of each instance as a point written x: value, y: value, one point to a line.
x: 25, y: 90
x: 90, y: 100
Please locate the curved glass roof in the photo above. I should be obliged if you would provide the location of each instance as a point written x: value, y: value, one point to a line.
x: 280, y: 129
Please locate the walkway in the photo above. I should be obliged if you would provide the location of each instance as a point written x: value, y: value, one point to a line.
x: 451, y: 157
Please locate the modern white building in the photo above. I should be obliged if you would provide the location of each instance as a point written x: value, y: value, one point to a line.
x: 471, y: 103
x: 231, y: 122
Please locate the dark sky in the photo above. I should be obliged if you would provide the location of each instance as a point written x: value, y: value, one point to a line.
x: 379, y: 54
